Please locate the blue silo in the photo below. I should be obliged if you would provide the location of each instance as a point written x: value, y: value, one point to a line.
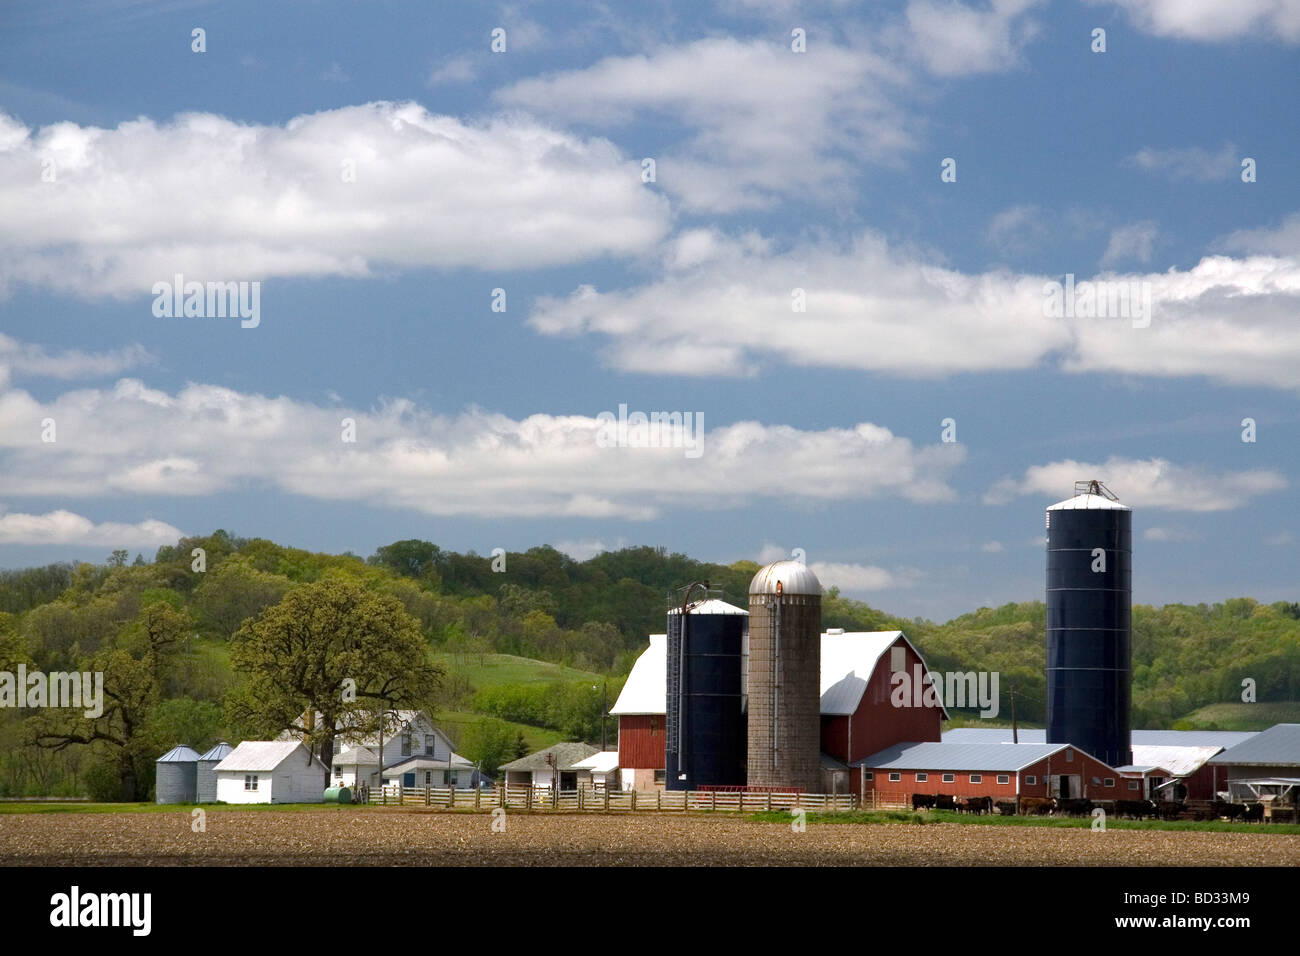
x: 1089, y: 632
x: 705, y: 729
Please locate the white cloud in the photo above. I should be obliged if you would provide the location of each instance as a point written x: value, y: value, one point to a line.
x: 64, y: 527
x: 955, y: 39
x: 1279, y: 540
x: 862, y: 577
x: 877, y: 308
x: 580, y: 550
x: 123, y: 212
x: 1191, y: 163
x: 1132, y: 242
x: 1018, y: 229
x: 1173, y: 535
x: 992, y: 547
x: 1144, y: 483
x: 1212, y: 20
x: 1284, y: 240
x: 204, y: 439
x: 25, y: 359
x: 762, y: 122
x: 458, y: 69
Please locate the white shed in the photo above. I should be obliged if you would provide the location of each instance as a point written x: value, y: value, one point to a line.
x: 270, y: 771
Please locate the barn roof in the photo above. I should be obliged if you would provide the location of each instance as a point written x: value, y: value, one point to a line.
x: 1173, y: 739
x: 1179, y: 761
x: 646, y: 689
x: 999, y: 758
x: 566, y: 755
x: 847, y: 663
x: 603, y: 762
x: 1278, y: 746
x: 262, y: 755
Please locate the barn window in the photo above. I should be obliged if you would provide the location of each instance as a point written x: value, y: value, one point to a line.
x: 868, y: 775
x: 1031, y: 780
x: 1096, y: 781
x: 922, y: 777
x: 977, y: 778
x: 661, y: 776
x: 1004, y: 778
x: 250, y: 781
x: 1133, y: 785
x: 949, y: 777
x: 895, y: 777
x: 1069, y: 756
x: 1109, y: 782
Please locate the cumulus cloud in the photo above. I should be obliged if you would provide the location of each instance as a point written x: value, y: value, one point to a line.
x: 1144, y: 483
x: 1133, y: 242
x: 1173, y: 535
x: 862, y: 577
x: 581, y: 550
x: 204, y: 439
x: 1211, y: 20
x: 873, y: 307
x: 1189, y: 163
x: 123, y: 211
x: 956, y: 39
x: 1282, y: 240
x: 761, y: 122
x: 27, y: 359
x: 64, y: 527
x: 992, y: 547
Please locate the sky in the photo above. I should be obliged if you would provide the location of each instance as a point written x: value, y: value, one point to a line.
x: 837, y: 236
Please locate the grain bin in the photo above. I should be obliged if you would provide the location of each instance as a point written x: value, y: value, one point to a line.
x: 207, y: 772
x: 784, y: 677
x: 177, y: 778
x: 705, y: 738
x: 1089, y: 635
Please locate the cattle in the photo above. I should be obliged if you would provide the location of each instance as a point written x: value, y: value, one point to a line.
x: 976, y: 805
x: 1076, y: 808
x: 1254, y: 813
x: 1169, y: 809
x: 1137, y: 809
x: 922, y: 801
x: 1232, y: 811
x: 1007, y: 808
x: 1037, y: 806
x: 944, y: 801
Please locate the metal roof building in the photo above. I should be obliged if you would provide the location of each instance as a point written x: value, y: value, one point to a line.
x: 207, y: 772
x: 1279, y: 746
x: 945, y: 756
x: 176, y: 780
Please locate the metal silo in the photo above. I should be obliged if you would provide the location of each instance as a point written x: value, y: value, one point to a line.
x: 705, y: 738
x: 784, y: 682
x: 1089, y: 636
x: 207, y: 772
x: 177, y: 778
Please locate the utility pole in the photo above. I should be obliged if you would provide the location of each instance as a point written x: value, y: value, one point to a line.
x: 604, y: 710
x: 1015, y: 736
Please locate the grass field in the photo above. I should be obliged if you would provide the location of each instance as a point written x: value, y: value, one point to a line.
x: 488, y: 670
x: 1239, y: 716
x: 537, y: 738
x: 345, y: 836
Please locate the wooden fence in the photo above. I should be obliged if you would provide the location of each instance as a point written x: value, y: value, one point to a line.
x: 594, y: 800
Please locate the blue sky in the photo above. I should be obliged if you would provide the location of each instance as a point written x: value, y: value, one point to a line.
x: 126, y: 157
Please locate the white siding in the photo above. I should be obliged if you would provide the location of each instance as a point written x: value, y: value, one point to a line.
x: 297, y: 782
x: 230, y: 788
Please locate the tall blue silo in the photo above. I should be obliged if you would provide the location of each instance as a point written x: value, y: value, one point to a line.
x: 1089, y: 631
x: 705, y: 730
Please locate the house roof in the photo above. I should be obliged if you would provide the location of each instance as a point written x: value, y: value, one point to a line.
x: 847, y: 662
x: 264, y: 755
x: 1278, y: 746
x: 356, y: 757
x: 992, y: 758
x: 565, y: 755
x: 603, y: 762
x: 425, y: 762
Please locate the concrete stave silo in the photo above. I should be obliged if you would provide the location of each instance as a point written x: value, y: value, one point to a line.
x: 1089, y: 631
x: 176, y: 779
x: 206, y: 775
x: 705, y: 734
x: 784, y: 678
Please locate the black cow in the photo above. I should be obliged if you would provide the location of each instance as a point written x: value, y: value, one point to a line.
x: 1007, y: 808
x: 1169, y: 809
x: 1076, y: 808
x: 1138, y: 809
x: 976, y: 805
x: 1232, y: 811
x: 922, y: 801
x: 944, y: 801
x: 1254, y: 813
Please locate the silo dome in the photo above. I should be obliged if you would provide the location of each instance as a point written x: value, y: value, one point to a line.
x: 793, y: 576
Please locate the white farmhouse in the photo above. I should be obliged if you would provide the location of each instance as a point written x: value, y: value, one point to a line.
x: 416, y: 754
x: 270, y: 771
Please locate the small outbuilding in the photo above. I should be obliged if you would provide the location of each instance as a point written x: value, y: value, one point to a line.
x: 603, y: 768
x: 270, y: 771
x: 549, y: 767
x: 207, y: 772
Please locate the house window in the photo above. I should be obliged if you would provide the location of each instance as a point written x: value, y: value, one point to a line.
x: 455, y: 778
x: 250, y: 781
x: 977, y: 778
x: 922, y: 777
x: 1109, y: 782
x: 895, y: 777
x: 661, y: 776
x: 949, y: 777
x: 1031, y: 780
x: 1004, y: 778
x: 428, y: 744
x: 406, y: 744
x: 1134, y: 785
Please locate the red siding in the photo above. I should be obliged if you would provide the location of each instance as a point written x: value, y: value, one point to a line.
x: 641, y: 741
x: 1082, y: 765
x: 878, y: 724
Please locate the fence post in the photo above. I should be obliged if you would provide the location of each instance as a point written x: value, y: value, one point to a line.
x: 528, y: 799
x: 607, y: 799
x: 478, y: 792
x: 426, y: 794
x: 769, y: 800
x: 659, y: 799
x: 634, y: 800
